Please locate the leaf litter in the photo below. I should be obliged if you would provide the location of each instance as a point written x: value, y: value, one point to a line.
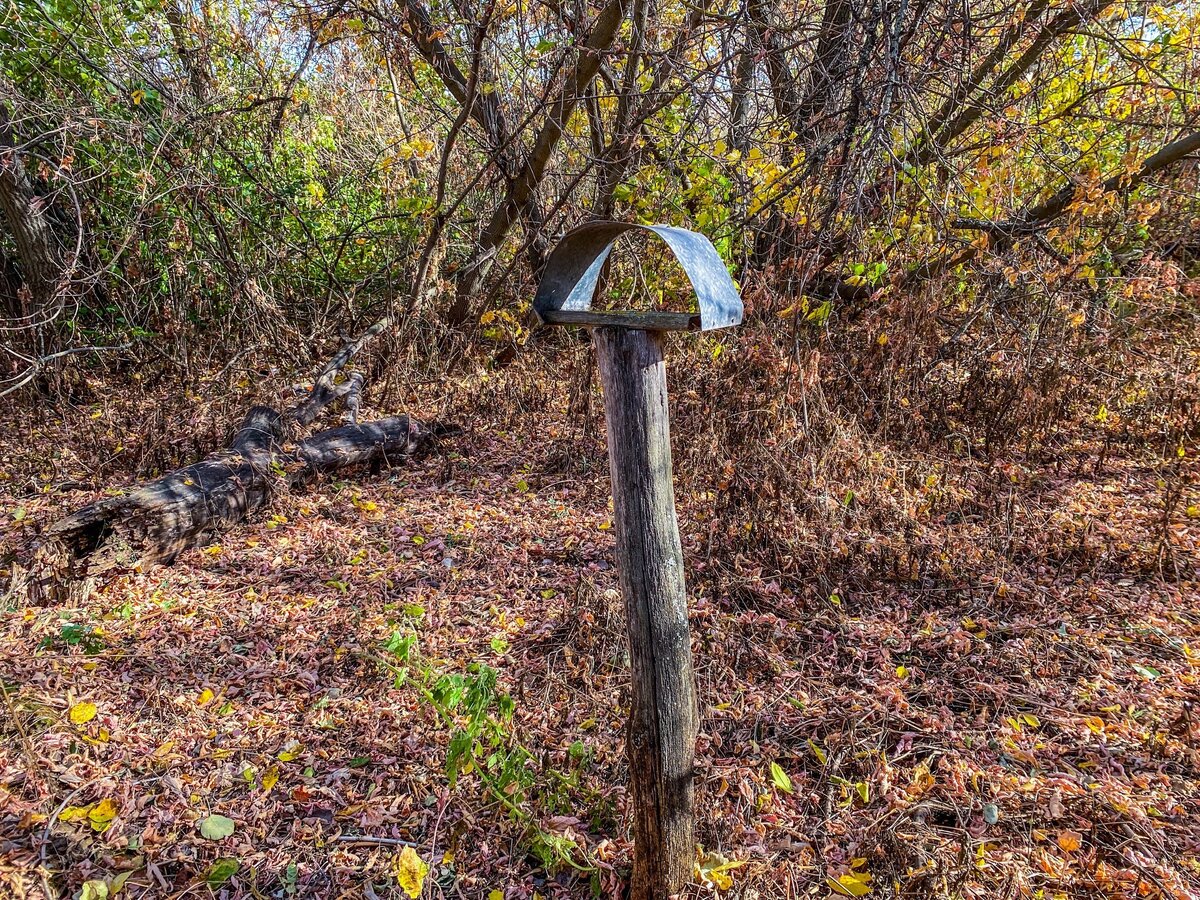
x: 274, y: 713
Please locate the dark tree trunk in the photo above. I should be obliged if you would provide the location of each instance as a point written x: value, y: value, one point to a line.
x: 523, y: 188
x: 29, y: 225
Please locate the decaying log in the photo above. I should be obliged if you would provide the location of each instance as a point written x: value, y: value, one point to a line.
x: 153, y: 523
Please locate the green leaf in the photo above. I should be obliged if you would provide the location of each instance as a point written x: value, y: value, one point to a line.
x: 222, y: 870
x: 780, y: 778
x: 216, y: 827
x: 119, y: 881
x: 1147, y: 671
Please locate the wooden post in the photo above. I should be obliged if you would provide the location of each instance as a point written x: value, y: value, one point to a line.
x: 663, y: 721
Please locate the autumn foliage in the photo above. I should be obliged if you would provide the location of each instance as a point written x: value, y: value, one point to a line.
x: 938, y: 494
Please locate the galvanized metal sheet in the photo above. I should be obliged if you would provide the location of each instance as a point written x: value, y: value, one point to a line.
x: 573, y: 271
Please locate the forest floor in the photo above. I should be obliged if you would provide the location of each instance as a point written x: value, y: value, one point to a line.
x: 271, y: 716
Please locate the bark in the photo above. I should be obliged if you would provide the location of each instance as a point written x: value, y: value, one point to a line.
x: 624, y: 131
x: 29, y: 225
x: 192, y: 50
x: 663, y: 716
x: 155, y: 522
x: 485, y: 108
x: 784, y: 89
x: 965, y: 114
x: 980, y: 73
x: 739, y: 105
x: 187, y: 508
x: 828, y: 71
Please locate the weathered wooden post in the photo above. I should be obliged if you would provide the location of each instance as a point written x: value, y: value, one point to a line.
x: 664, y: 719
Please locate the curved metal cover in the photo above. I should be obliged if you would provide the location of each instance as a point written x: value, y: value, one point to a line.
x: 573, y: 271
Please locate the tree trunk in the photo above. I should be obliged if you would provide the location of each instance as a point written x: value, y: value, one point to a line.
x: 187, y: 508
x: 522, y: 190
x: 30, y: 227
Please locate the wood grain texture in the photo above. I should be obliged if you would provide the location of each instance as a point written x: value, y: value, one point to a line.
x: 187, y: 508
x: 663, y: 719
x: 647, y: 320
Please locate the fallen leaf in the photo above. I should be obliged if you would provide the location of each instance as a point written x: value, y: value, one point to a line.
x: 83, y: 712
x: 118, y: 881
x: 1070, y: 841
x: 852, y: 884
x: 713, y: 868
x: 216, y: 827
x: 780, y: 778
x: 74, y: 814
x: 410, y: 872
x: 222, y: 870
x: 102, y: 814
x: 817, y: 751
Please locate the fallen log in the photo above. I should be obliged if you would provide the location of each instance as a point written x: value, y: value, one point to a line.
x: 187, y: 508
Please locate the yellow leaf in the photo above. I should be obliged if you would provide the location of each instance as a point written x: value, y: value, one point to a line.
x: 137, y: 97
x: 270, y: 778
x: 852, y: 884
x: 496, y: 895
x: 714, y: 869
x: 206, y: 697
x: 83, y: 712
x: 102, y: 814
x: 410, y: 872
x: 119, y: 881
x: 74, y: 814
